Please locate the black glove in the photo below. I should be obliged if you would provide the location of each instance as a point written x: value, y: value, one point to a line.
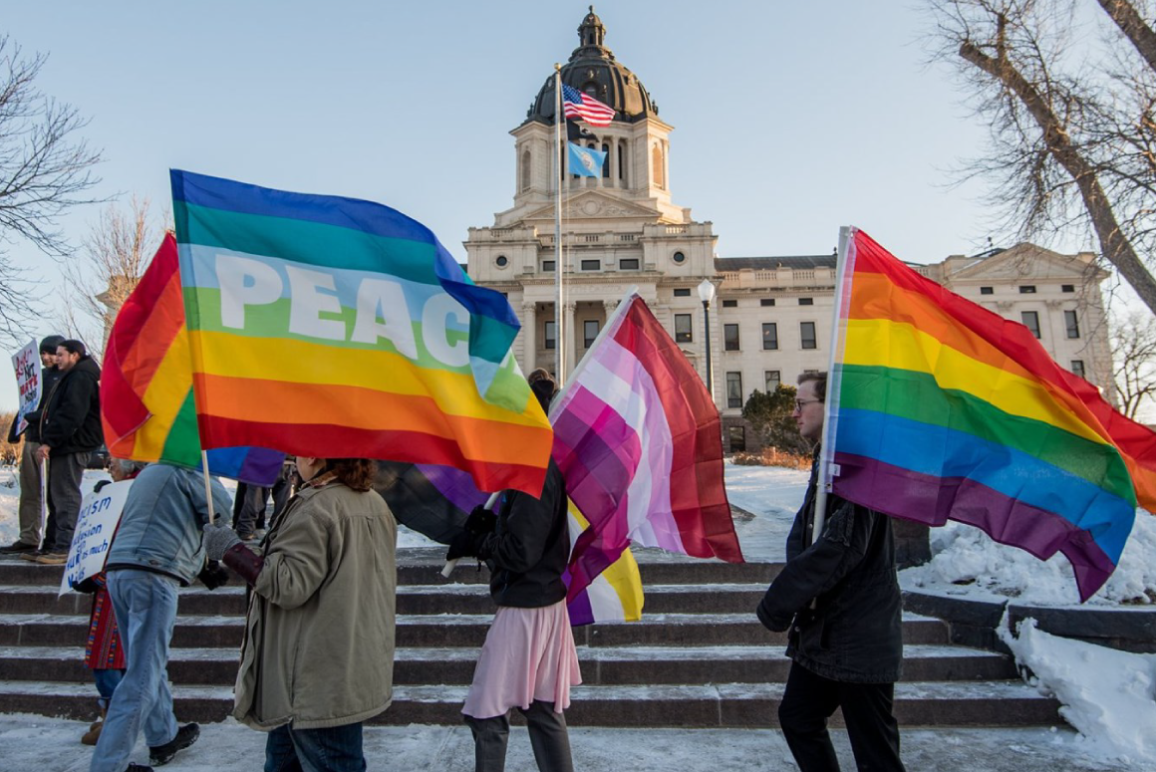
x: 213, y: 575
x: 465, y: 545
x: 481, y: 521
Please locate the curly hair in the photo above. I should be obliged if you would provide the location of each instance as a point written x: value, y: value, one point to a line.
x: 356, y: 473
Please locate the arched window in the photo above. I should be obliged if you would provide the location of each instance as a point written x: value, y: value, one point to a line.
x: 622, y: 162
x: 658, y: 172
x: 525, y: 184
x: 606, y: 161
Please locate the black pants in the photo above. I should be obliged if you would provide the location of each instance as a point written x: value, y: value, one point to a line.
x: 810, y: 700
x: 65, y: 474
x: 548, y: 738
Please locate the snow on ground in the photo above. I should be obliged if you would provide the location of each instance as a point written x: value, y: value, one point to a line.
x: 1107, y: 695
x: 967, y: 563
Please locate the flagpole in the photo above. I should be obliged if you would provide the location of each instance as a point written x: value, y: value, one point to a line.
x: 208, y: 487
x: 559, y: 314
x: 843, y: 267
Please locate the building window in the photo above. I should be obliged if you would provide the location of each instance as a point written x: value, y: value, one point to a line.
x: 1032, y: 322
x: 986, y: 290
x: 622, y: 160
x: 628, y: 264
x: 591, y: 265
x: 502, y: 261
x: 774, y: 378
x: 606, y: 161
x: 679, y: 258
x: 767, y: 302
x: 731, y: 337
x: 810, y: 372
x: 1028, y: 289
x: 658, y: 170
x: 548, y: 335
x: 737, y: 438
x: 547, y: 266
x: 770, y: 336
x: 526, y: 170
x: 806, y: 301
x: 1072, y: 323
x: 682, y: 329
x: 682, y: 293
x: 1067, y: 288
x: 589, y: 332
x: 807, y: 334
x: 1078, y: 368
x: 730, y: 304
x: 734, y: 389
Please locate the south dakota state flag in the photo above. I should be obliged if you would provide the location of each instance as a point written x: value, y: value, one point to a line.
x: 586, y: 161
x: 940, y: 409
x: 333, y: 327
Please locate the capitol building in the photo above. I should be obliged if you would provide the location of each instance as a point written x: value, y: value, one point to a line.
x: 770, y: 319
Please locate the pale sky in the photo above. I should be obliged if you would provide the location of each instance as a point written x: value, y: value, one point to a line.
x: 791, y: 119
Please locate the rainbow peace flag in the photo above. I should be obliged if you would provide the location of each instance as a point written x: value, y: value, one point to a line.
x: 940, y: 409
x: 146, y: 386
x: 326, y: 326
x: 638, y: 439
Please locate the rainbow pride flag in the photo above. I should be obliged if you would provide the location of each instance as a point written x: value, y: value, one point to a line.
x: 940, y: 409
x: 146, y: 386
x: 326, y: 326
x: 638, y: 439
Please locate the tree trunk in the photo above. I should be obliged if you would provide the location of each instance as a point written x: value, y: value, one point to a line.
x: 1132, y: 24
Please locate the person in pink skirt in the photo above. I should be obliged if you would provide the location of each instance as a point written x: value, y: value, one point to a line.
x: 528, y: 661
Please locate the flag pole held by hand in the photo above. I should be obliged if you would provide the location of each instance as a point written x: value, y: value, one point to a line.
x: 452, y: 564
x: 208, y: 488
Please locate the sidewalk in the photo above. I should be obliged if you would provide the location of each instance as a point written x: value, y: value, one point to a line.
x: 53, y: 745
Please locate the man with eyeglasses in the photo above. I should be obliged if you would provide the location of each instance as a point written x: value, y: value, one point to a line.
x: 839, y: 597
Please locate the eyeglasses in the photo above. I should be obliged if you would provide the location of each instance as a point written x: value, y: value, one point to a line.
x: 799, y: 403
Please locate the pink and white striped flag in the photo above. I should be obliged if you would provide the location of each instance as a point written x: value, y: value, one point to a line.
x: 639, y: 441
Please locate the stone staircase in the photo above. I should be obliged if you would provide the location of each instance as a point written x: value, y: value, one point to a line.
x: 698, y: 658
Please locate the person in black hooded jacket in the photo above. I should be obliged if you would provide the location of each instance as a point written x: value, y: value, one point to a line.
x: 29, y: 541
x: 69, y: 431
x: 839, y: 596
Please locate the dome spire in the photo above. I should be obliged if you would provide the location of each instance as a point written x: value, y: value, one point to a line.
x: 592, y: 32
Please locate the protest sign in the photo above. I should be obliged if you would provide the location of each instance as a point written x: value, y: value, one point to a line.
x: 95, y: 526
x: 27, y: 364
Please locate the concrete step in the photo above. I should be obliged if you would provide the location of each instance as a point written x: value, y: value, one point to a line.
x: 469, y: 630
x: 917, y: 704
x: 636, y: 665
x: 411, y: 599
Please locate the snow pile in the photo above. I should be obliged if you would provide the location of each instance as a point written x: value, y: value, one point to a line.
x: 967, y: 561
x: 1107, y: 695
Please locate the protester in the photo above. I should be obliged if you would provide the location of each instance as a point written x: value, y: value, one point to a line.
x: 103, y: 651
x: 528, y: 661
x: 157, y: 549
x: 69, y: 431
x: 839, y: 596
x: 317, y: 657
x: 30, y: 503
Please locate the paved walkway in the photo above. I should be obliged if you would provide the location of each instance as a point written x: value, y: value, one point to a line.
x: 52, y: 745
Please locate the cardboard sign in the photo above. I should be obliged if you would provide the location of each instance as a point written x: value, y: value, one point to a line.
x: 28, y: 382
x: 97, y: 522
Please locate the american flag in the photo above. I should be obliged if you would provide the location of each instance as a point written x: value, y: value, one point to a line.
x: 575, y: 104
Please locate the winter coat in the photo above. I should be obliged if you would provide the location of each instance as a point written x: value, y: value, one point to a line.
x: 160, y: 528
x: 853, y: 632
x: 530, y: 546
x: 70, y: 422
x: 319, y: 634
x: 49, y: 376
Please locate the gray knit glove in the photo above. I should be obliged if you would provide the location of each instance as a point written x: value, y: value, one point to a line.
x: 219, y: 539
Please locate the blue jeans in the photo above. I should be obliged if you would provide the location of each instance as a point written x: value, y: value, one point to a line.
x: 145, y: 605
x: 106, y: 683
x: 334, y: 749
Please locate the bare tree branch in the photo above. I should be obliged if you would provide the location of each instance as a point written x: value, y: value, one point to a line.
x: 1134, y: 357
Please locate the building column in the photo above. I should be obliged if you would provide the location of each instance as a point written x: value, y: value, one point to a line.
x: 571, y: 337
x: 609, y: 306
x: 529, y: 336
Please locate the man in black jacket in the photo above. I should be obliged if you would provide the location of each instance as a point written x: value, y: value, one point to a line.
x: 30, y: 503
x: 839, y: 596
x: 69, y: 431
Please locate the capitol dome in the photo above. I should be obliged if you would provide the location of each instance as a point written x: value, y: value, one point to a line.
x: 593, y: 71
